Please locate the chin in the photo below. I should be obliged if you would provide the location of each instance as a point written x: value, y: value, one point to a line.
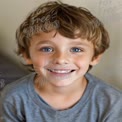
x: 62, y: 83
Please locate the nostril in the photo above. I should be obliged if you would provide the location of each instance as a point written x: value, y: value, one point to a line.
x: 60, y: 61
x: 61, y: 58
x: 72, y: 70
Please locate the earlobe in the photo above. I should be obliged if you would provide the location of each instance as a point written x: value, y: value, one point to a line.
x: 96, y: 60
x: 27, y: 60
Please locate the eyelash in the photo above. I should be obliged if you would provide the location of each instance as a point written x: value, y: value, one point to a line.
x: 50, y: 49
x: 46, y: 49
x: 76, y: 49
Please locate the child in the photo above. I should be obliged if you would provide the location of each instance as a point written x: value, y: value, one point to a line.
x: 61, y: 43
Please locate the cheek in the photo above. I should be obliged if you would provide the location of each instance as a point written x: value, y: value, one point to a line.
x: 39, y: 61
x: 39, y: 65
x: 83, y: 62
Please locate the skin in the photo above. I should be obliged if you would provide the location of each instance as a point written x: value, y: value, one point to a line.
x: 61, y: 63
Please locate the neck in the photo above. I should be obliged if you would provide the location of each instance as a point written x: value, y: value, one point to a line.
x: 63, y: 97
x: 63, y: 91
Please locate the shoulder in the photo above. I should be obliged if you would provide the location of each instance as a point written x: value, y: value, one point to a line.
x: 104, y: 91
x: 16, y: 88
x: 102, y: 85
x: 105, y: 98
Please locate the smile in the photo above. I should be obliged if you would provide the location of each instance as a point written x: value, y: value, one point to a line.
x: 61, y: 71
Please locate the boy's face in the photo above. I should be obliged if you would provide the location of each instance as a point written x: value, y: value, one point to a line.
x: 59, y: 60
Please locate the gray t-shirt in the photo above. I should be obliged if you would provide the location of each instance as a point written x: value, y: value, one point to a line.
x: 100, y: 103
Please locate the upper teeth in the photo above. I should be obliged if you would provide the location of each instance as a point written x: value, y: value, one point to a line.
x: 60, y: 71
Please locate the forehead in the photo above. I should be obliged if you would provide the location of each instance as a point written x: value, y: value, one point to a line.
x: 54, y: 37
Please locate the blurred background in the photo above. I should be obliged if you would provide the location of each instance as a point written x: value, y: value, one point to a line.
x: 13, y: 12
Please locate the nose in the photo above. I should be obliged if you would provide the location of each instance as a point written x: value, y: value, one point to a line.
x: 61, y: 58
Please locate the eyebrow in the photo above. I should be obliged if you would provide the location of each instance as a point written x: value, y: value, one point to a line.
x: 72, y: 43
x: 44, y: 42
x: 80, y: 43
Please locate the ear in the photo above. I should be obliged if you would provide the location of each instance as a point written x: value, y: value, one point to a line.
x: 96, y: 60
x: 27, y: 60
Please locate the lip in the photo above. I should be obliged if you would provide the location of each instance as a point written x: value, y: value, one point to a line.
x: 61, y: 72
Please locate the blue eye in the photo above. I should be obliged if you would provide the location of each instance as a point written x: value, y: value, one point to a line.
x: 76, y: 49
x: 47, y: 49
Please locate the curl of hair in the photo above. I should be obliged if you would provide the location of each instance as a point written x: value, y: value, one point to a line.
x: 68, y: 20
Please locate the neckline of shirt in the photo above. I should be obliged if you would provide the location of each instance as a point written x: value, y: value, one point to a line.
x: 43, y: 105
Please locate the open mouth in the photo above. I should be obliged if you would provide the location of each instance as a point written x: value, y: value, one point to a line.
x: 61, y: 71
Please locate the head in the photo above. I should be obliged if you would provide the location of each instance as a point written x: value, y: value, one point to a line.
x: 69, y: 21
